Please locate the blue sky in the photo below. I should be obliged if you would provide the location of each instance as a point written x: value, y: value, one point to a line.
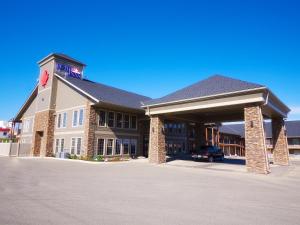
x: 153, y: 47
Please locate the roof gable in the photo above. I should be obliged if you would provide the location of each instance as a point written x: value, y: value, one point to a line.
x: 214, y: 85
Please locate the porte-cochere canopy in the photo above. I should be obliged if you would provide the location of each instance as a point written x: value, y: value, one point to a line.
x: 223, y: 99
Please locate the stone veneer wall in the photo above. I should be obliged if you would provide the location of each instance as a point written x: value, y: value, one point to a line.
x: 157, y: 148
x: 280, y: 145
x: 43, y: 122
x: 89, y: 130
x: 256, y: 151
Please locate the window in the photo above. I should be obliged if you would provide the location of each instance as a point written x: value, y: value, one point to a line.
x: 102, y: 118
x: 133, y: 122
x: 59, y: 145
x: 119, y: 121
x: 109, y: 147
x: 100, y: 149
x: 78, y: 147
x: 59, y: 121
x: 118, y: 146
x: 75, y: 119
x: 73, y: 145
x: 62, y: 120
x: 126, y: 121
x: 62, y: 145
x: 80, y: 117
x: 64, y: 124
x: 111, y: 119
x: 56, y: 145
x: 133, y: 144
x: 126, y: 146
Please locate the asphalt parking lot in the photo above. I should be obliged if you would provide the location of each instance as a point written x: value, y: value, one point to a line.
x: 49, y: 191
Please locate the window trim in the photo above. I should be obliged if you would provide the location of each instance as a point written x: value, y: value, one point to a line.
x: 78, y: 116
x: 122, y: 120
x: 114, y: 123
x: 62, y: 116
x: 76, y: 145
x: 112, y: 146
x: 59, y: 150
x: 105, y: 119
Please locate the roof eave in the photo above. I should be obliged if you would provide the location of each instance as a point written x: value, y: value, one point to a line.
x: 204, y: 97
x: 18, y: 116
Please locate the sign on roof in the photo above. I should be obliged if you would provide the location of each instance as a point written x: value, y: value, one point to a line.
x: 67, y: 70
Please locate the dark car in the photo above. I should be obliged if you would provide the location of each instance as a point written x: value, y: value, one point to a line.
x: 211, y: 153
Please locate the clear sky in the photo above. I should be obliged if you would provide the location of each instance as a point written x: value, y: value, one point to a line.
x: 153, y: 47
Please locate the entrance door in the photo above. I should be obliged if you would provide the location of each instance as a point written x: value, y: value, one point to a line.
x: 38, y: 143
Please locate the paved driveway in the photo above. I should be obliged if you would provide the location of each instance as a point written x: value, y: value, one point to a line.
x: 48, y: 191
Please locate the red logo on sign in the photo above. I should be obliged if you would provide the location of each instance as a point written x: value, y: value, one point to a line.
x: 44, y: 78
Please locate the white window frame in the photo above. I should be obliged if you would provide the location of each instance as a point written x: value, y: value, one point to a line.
x: 127, y: 140
x: 79, y: 114
x: 116, y: 121
x: 77, y: 119
x: 126, y: 114
x: 112, y: 147
x: 121, y: 145
x: 104, y: 144
x: 76, y: 146
x: 108, y: 119
x: 62, y: 116
x: 105, y: 121
x: 58, y: 144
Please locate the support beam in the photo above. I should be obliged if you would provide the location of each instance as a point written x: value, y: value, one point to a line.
x: 256, y: 151
x: 280, y: 145
x: 157, y: 148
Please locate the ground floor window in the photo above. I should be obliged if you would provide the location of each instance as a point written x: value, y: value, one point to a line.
x: 126, y: 143
x: 76, y: 144
x: 116, y: 146
x: 100, y: 147
x: 59, y: 145
x: 109, y: 147
x: 133, y: 144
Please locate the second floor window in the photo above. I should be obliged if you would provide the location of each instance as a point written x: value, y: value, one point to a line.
x: 102, y: 118
x: 126, y: 121
x: 111, y: 119
x: 78, y: 118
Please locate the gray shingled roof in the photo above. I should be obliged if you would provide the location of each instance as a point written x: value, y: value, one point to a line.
x: 292, y: 127
x: 213, y: 85
x: 109, y: 94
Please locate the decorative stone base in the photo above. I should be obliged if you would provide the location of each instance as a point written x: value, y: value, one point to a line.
x: 280, y: 145
x: 256, y: 151
x: 157, y: 148
x: 43, y: 134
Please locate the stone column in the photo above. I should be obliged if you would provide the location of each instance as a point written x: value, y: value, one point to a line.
x: 89, y: 130
x: 43, y: 134
x: 157, y: 148
x: 280, y: 145
x: 255, y: 143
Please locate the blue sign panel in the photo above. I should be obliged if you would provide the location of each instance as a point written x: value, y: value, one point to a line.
x: 71, y: 71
